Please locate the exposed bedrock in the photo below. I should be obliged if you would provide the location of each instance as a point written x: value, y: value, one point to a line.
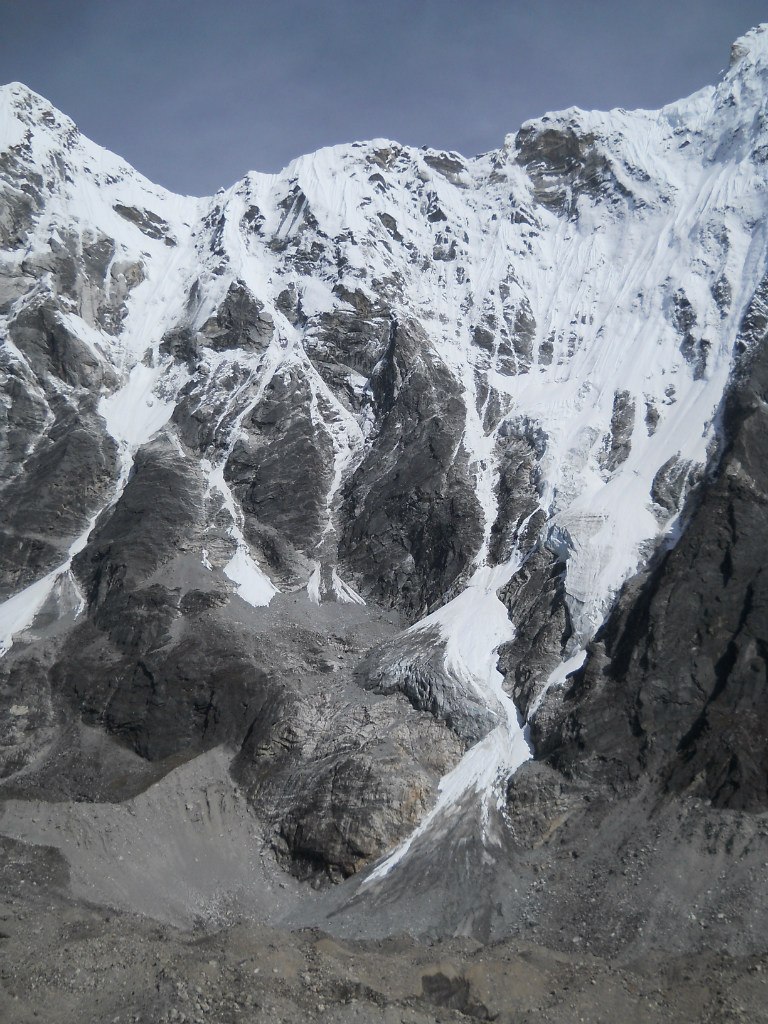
x: 119, y: 668
x: 204, y: 409
x: 149, y: 223
x: 618, y: 443
x: 65, y: 465
x: 53, y: 350
x: 564, y: 162
x: 281, y: 469
x: 412, y: 521
x: 22, y: 193
x: 675, y: 684
x: 356, y: 337
x: 240, y: 322
x: 341, y: 779
x: 28, y: 719
x: 59, y: 464
x: 80, y: 270
x: 521, y: 446
x: 535, y: 598
x: 693, y: 347
x: 163, y: 699
x: 24, y: 415
x: 154, y: 518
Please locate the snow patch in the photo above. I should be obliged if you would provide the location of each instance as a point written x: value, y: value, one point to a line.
x: 19, y: 611
x: 135, y: 412
x: 253, y: 585
x: 336, y: 590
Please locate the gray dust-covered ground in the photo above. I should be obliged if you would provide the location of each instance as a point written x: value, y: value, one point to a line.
x: 170, y: 906
x: 68, y: 961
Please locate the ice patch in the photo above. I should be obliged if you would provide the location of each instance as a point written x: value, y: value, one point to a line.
x: 482, y: 770
x: 313, y: 584
x: 19, y: 611
x: 343, y: 591
x: 338, y: 590
x: 253, y: 585
x: 317, y: 297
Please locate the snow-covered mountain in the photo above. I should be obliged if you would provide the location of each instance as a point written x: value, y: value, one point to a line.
x: 345, y: 467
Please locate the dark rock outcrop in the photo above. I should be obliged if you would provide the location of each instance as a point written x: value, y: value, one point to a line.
x: 676, y: 685
x: 565, y: 162
x: 64, y: 472
x: 413, y: 522
x: 619, y: 442
x: 282, y: 466
x: 239, y: 322
x: 341, y: 781
x: 535, y: 598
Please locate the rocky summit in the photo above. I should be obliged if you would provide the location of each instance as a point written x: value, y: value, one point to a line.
x: 381, y: 565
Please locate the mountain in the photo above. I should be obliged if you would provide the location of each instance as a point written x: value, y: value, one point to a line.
x: 388, y: 533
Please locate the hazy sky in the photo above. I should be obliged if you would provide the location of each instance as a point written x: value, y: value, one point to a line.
x: 196, y: 92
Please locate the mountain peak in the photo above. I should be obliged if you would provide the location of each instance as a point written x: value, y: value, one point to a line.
x: 21, y: 94
x: 33, y: 110
x: 751, y: 47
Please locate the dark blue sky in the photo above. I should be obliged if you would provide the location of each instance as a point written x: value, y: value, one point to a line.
x: 196, y: 93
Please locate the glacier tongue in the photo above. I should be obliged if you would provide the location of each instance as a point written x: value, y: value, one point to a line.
x: 473, y: 626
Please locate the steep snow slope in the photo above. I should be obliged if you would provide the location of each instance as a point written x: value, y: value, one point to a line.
x: 385, y: 376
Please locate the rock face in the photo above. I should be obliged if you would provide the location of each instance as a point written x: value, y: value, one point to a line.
x: 345, y: 471
x: 674, y: 687
x: 414, y: 501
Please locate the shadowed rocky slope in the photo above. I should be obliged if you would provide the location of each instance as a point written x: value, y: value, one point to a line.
x: 674, y: 688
